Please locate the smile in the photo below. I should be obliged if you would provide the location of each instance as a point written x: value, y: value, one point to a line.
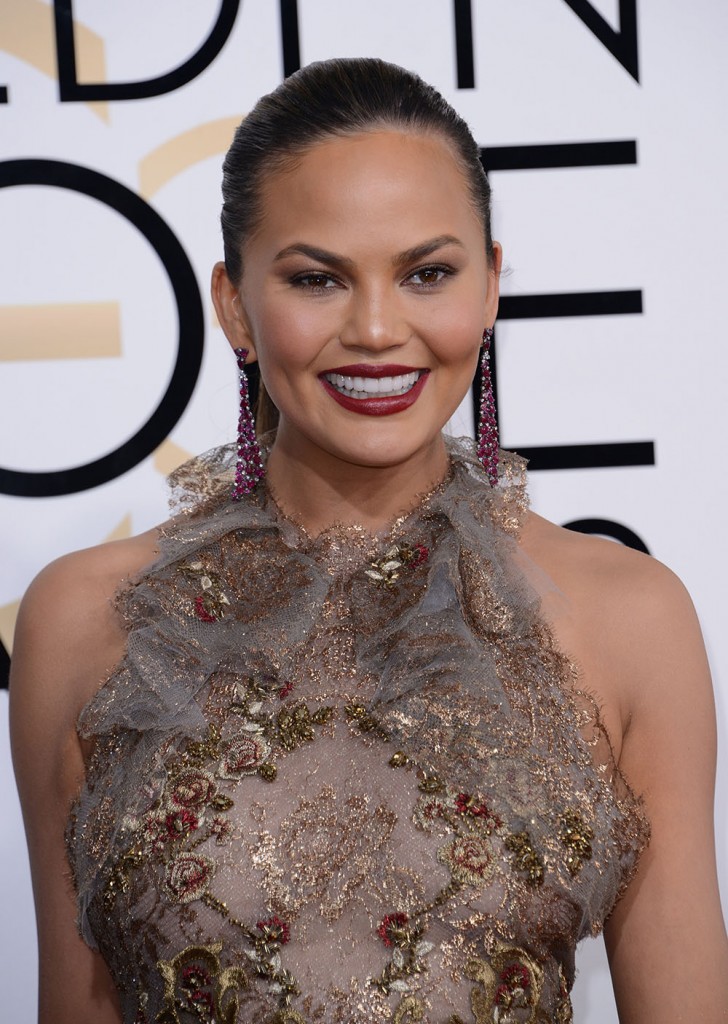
x: 373, y: 387
x: 374, y: 390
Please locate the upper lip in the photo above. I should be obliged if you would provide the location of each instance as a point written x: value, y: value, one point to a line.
x: 373, y: 370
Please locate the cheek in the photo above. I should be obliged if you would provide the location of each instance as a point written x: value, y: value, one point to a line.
x: 289, y: 335
x: 455, y: 333
x: 280, y: 343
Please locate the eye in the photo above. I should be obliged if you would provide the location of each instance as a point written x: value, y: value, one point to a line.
x: 314, y: 281
x: 430, y: 276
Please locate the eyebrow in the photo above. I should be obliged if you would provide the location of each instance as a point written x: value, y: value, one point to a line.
x: 419, y: 252
x: 332, y: 259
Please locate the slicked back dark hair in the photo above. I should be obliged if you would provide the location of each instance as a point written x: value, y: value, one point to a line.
x: 328, y: 99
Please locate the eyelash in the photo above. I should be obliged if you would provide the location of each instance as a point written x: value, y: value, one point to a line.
x: 304, y: 280
x: 441, y: 268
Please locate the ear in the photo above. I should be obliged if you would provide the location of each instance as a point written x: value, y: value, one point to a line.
x: 494, y: 272
x: 226, y: 300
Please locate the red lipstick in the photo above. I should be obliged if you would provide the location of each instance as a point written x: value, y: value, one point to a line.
x: 374, y: 405
x: 373, y: 370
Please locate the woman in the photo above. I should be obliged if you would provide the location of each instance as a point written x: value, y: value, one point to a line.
x: 340, y: 769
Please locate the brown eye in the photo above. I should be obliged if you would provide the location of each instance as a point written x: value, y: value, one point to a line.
x: 428, y: 277
x: 317, y: 282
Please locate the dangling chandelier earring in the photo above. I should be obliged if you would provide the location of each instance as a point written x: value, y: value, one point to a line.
x: 249, y: 466
x: 488, y: 426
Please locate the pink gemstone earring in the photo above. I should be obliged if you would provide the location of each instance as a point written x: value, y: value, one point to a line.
x: 488, y: 426
x: 249, y: 466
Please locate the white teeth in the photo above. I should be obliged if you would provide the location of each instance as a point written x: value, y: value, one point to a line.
x: 365, y: 387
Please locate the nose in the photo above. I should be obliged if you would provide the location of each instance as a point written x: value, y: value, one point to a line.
x: 375, y: 320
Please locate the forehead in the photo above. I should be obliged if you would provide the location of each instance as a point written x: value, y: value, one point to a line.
x: 389, y: 187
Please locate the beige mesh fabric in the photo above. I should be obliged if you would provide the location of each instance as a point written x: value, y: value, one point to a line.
x: 348, y: 779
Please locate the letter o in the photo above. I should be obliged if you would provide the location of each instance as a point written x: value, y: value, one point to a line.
x: 156, y: 231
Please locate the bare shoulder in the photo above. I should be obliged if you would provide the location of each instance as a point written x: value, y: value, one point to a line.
x: 629, y: 624
x: 96, y: 569
x: 68, y: 636
x: 594, y: 558
x: 627, y: 620
x: 67, y: 641
x: 624, y: 588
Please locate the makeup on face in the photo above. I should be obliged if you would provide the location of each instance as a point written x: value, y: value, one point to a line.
x: 374, y: 390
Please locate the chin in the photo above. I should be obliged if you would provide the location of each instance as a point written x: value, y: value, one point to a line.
x: 379, y: 455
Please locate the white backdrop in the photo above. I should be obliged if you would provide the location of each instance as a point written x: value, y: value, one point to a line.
x: 88, y: 319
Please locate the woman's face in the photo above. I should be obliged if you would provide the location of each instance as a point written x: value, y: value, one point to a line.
x: 364, y: 297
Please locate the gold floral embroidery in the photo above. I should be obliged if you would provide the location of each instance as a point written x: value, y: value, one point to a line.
x: 506, y: 713
x: 288, y: 728
x: 243, y: 755
x: 118, y: 877
x: 410, y: 1010
x: 564, y: 1010
x: 187, y: 877
x: 469, y: 858
x: 264, y: 944
x: 408, y: 952
x: 178, y: 823
x: 212, y: 602
x: 577, y: 837
x: 197, y: 988
x: 431, y: 784
x: 525, y: 858
x: 386, y: 570
x: 510, y: 987
x: 366, y: 722
x: 341, y: 839
x: 294, y: 726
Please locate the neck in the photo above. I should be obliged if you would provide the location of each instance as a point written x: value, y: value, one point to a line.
x: 319, y: 489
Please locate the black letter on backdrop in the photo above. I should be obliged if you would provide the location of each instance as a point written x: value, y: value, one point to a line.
x: 622, y: 44
x: 156, y: 231
x: 291, y: 40
x: 290, y: 37
x: 464, y: 44
x: 529, y: 307
x: 3, y: 94
x: 608, y: 528
x: 73, y: 91
x: 4, y: 667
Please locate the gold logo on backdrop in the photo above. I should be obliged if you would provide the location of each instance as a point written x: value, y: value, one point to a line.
x: 89, y: 330
x: 182, y: 151
x: 9, y: 612
x: 92, y: 329
x: 28, y: 33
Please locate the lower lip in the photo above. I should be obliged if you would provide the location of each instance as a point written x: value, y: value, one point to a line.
x: 378, y: 406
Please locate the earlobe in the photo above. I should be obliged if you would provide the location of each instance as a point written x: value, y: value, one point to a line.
x: 226, y: 300
x: 497, y: 262
x: 494, y: 272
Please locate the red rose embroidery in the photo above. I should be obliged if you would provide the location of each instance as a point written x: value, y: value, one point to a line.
x: 188, y: 875
x: 192, y: 788
x: 469, y: 858
x: 274, y: 930
x: 243, y: 756
x: 392, y: 930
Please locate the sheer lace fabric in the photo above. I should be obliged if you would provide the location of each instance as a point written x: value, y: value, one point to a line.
x: 348, y: 779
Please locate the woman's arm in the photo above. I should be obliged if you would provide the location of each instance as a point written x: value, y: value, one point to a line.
x: 666, y: 939
x: 67, y: 641
x: 630, y: 626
